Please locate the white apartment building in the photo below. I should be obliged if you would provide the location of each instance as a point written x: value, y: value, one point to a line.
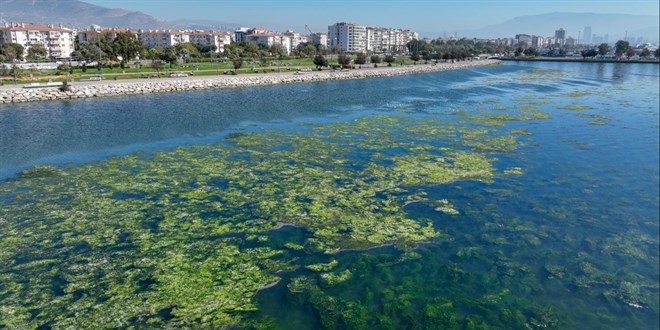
x: 524, y: 40
x: 353, y: 38
x: 57, y: 40
x: 239, y: 35
x: 89, y: 34
x: 319, y: 39
x: 296, y: 38
x: 163, y: 38
x: 389, y: 40
x: 270, y: 39
x: 217, y: 39
x: 348, y: 36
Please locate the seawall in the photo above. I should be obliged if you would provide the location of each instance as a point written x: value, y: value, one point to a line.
x: 17, y: 94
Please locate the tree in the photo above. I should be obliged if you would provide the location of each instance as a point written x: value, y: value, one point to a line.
x: 415, y: 56
x: 519, y: 51
x: 630, y: 52
x: 361, y: 59
x: 320, y: 61
x: 187, y: 50
x: 305, y: 49
x: 232, y: 50
x: 277, y: 49
x: 12, y: 51
x: 64, y: 68
x: 389, y: 59
x: 418, y: 46
x: 375, y: 59
x: 645, y: 53
x: 590, y: 53
x: 16, y: 72
x: 36, y: 52
x: 657, y: 53
x: 157, y: 65
x: 427, y: 56
x: 552, y: 52
x: 238, y: 62
x: 168, y: 55
x: 154, y: 53
x: 621, y: 47
x: 531, y: 52
x: 344, y: 60
x: 126, y: 45
x: 335, y: 49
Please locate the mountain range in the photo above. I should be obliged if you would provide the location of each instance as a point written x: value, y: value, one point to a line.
x: 617, y: 26
x: 79, y: 14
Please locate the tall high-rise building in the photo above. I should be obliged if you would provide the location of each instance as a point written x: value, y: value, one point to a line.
x: 560, y: 35
x: 587, y: 35
x: 354, y: 38
x: 348, y: 36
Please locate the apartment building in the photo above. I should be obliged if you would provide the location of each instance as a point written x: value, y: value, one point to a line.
x: 91, y: 33
x: 319, y: 39
x: 208, y: 39
x: 270, y: 39
x: 354, y: 38
x: 57, y: 40
x: 162, y: 38
x: 349, y: 37
x: 560, y: 35
x: 389, y: 40
x: 296, y: 38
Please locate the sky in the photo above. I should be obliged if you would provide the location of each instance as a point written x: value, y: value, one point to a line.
x: 425, y: 16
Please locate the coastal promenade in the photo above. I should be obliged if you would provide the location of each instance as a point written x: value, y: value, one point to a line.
x: 90, y: 89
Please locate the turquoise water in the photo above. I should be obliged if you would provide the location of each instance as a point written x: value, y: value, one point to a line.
x: 139, y: 221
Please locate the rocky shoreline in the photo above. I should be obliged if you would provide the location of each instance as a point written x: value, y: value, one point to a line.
x: 78, y: 90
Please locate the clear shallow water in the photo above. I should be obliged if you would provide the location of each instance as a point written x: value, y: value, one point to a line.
x: 570, y: 241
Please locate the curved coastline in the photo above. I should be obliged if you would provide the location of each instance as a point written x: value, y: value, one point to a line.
x: 18, y: 94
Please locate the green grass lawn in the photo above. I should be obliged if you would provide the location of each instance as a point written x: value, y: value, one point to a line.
x: 193, y: 67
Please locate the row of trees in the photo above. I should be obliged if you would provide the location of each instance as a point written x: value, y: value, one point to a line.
x: 454, y: 49
x: 621, y: 48
x: 346, y: 60
x: 122, y: 47
x: 14, y: 51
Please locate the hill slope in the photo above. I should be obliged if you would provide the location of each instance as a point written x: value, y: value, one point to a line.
x: 74, y: 13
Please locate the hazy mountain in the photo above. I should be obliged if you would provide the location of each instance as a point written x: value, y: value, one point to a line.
x: 74, y: 13
x: 207, y: 24
x: 615, y: 25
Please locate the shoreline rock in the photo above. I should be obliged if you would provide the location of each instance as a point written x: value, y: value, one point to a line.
x: 17, y: 94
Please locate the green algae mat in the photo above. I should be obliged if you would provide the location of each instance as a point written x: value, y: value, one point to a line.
x: 160, y: 238
x: 388, y: 220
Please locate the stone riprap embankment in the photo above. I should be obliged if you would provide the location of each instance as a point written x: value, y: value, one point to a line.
x: 17, y: 94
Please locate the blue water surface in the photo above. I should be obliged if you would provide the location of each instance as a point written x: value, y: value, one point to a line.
x: 573, y: 240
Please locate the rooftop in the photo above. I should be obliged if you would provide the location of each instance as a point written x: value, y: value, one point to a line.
x: 33, y: 27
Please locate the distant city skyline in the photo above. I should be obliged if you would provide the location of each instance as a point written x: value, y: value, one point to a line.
x: 425, y: 16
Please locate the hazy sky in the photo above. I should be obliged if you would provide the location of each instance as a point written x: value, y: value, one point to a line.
x: 421, y: 15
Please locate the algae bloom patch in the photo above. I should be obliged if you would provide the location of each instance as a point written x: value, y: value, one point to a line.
x: 166, y: 238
